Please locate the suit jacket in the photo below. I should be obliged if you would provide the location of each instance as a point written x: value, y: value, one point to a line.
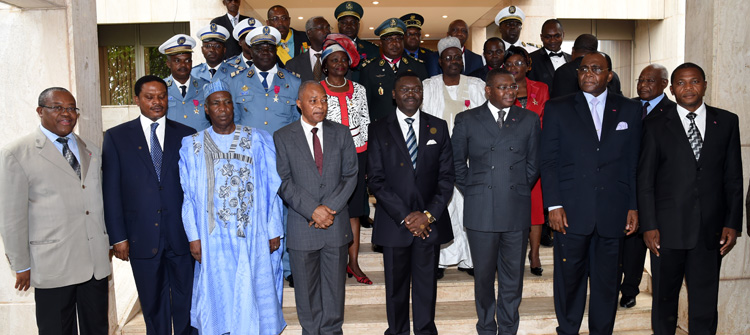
x: 378, y: 79
x: 502, y: 167
x: 301, y: 66
x: 481, y: 72
x: 233, y: 47
x: 659, y: 109
x: 472, y: 61
x: 50, y: 220
x: 594, y: 180
x: 690, y: 201
x: 399, y: 189
x: 303, y: 188
x: 565, y: 80
x: 137, y: 206
x: 542, y: 68
x: 301, y: 42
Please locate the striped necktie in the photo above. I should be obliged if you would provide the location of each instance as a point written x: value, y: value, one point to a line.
x: 69, y: 156
x: 156, y: 152
x: 694, y: 135
x: 411, y: 142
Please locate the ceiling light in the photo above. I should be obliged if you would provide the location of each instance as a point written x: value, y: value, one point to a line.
x: 299, y: 17
x: 426, y: 35
x: 372, y: 28
x: 375, y: 2
x: 445, y: 16
x: 421, y: 41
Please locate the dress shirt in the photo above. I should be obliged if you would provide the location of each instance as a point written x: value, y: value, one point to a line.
x: 556, y: 61
x: 652, y: 103
x: 146, y: 126
x: 313, y: 59
x: 307, y: 128
x: 72, y: 143
x: 216, y: 68
x: 180, y: 85
x: 700, y: 119
x: 494, y: 110
x: 390, y: 61
x: 233, y: 18
x: 244, y: 60
x: 405, y: 126
x: 269, y: 78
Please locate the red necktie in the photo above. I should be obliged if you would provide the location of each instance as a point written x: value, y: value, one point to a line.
x: 318, y: 151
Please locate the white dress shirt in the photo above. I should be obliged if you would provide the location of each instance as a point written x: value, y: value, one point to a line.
x: 556, y: 61
x: 269, y: 78
x: 405, y: 126
x: 307, y: 128
x: 390, y: 61
x: 146, y: 126
x: 700, y: 119
x: 234, y: 19
x: 495, y: 112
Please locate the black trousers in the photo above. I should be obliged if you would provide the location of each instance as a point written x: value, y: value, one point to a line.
x: 56, y: 308
x: 700, y: 268
x: 418, y: 262
x: 633, y: 257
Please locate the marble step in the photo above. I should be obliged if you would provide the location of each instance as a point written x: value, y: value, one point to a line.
x: 459, y: 317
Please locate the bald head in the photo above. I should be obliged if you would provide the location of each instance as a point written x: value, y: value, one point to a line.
x: 584, y: 44
x: 460, y: 30
x: 652, y: 81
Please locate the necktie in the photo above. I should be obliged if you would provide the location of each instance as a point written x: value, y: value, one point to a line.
x: 555, y: 54
x: 694, y: 135
x: 411, y: 142
x: 156, y: 151
x: 318, y: 68
x: 234, y: 21
x: 395, y: 67
x: 265, y: 83
x: 645, y: 110
x: 595, y: 116
x: 249, y: 63
x: 213, y: 72
x: 317, y: 150
x: 183, y: 88
x: 500, y: 118
x: 69, y: 156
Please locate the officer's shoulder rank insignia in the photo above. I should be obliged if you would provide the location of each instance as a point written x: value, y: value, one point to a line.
x: 280, y: 74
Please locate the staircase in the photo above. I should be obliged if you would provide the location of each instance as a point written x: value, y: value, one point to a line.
x: 455, y: 312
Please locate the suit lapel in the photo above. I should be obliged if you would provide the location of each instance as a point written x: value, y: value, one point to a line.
x: 709, y: 138
x: 300, y: 137
x: 398, y: 136
x: 584, y: 113
x: 674, y: 125
x: 85, y: 154
x: 488, y: 121
x: 609, y: 123
x: 547, y: 62
x: 172, y: 142
x: 140, y: 146
x: 329, y: 145
x: 510, y: 121
x: 50, y: 153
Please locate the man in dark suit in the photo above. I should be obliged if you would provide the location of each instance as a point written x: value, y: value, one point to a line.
x: 690, y: 200
x: 546, y: 60
x: 410, y: 171
x: 589, y: 153
x: 565, y: 80
x: 494, y: 53
x: 460, y: 30
x: 497, y: 212
x: 413, y: 42
x: 143, y: 205
x: 378, y: 74
x: 317, y: 163
x: 228, y: 21
x: 651, y: 84
x: 292, y: 42
x: 309, y: 64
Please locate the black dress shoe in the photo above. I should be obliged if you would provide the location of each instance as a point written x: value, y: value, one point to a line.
x: 627, y: 301
x: 537, y: 271
x: 365, y: 222
x: 290, y: 279
x: 440, y: 273
x: 470, y: 271
x: 546, y: 241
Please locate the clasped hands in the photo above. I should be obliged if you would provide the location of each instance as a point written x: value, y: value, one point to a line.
x: 418, y: 224
x: 322, y: 217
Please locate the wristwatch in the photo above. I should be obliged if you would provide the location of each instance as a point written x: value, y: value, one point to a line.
x: 430, y: 218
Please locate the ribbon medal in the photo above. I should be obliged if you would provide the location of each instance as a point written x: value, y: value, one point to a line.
x: 196, y: 103
x: 276, y: 90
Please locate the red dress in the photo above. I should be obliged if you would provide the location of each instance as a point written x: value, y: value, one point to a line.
x: 537, y: 95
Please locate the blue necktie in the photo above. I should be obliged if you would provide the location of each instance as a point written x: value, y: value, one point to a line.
x: 156, y: 152
x: 411, y: 143
x: 265, y: 83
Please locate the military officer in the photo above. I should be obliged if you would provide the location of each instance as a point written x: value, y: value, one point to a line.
x: 379, y: 73
x: 413, y: 40
x: 510, y: 20
x: 243, y: 60
x: 185, y: 91
x: 265, y: 95
x: 213, y: 37
x: 348, y: 15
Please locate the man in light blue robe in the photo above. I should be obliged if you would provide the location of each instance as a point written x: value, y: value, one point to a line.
x: 232, y: 217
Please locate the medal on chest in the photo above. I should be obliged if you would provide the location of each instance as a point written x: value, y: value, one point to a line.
x: 380, y: 90
x: 196, y: 103
x: 276, y: 90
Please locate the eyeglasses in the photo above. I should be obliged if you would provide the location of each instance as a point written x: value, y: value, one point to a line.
x: 452, y: 58
x: 507, y: 88
x: 594, y: 69
x: 416, y: 90
x: 647, y: 81
x: 264, y: 47
x: 279, y: 18
x: 517, y: 63
x: 60, y: 109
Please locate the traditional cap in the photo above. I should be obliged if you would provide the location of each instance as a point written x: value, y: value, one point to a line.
x: 509, y: 13
x: 340, y: 42
x: 349, y: 8
x: 213, y: 32
x: 413, y: 20
x: 178, y: 44
x: 263, y: 34
x: 216, y: 86
x: 241, y: 28
x: 448, y: 42
x: 391, y: 26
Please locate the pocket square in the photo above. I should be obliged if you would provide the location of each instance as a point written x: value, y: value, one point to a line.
x: 431, y: 142
x: 622, y: 126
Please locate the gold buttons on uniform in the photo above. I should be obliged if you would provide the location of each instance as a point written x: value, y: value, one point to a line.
x: 266, y: 108
x: 185, y: 116
x: 266, y: 94
x: 183, y: 102
x: 265, y: 122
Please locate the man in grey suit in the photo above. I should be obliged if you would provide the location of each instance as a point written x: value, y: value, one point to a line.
x: 52, y: 220
x: 317, y: 163
x: 495, y: 152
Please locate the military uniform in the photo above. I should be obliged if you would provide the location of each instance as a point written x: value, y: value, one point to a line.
x: 212, y: 33
x: 378, y: 79
x: 514, y: 13
x: 222, y: 73
x: 366, y: 49
x: 264, y: 109
x: 428, y: 57
x: 188, y: 110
